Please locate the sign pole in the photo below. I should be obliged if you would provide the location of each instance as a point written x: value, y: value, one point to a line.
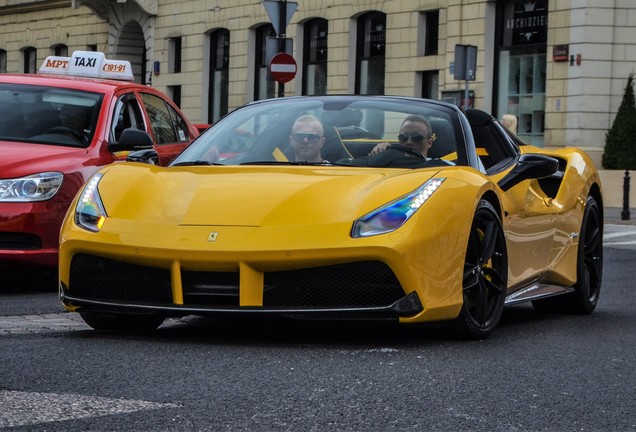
x: 282, y: 22
x: 466, y: 95
x: 465, y: 68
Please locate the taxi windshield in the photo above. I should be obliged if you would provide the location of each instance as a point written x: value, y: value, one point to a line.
x: 48, y: 115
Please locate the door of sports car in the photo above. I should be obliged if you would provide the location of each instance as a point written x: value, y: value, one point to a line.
x: 530, y: 224
x: 529, y: 216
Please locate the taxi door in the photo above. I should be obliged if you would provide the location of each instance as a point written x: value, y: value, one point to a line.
x: 170, y: 133
x: 169, y: 130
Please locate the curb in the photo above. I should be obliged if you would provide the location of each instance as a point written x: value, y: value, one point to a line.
x: 613, y: 215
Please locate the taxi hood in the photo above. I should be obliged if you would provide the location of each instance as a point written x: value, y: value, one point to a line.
x: 20, y: 158
x: 251, y: 195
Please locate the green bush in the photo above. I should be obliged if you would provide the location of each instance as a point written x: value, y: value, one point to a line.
x: 620, y: 140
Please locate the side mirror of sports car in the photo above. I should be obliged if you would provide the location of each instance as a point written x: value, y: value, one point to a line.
x: 131, y: 140
x: 148, y: 156
x: 530, y: 166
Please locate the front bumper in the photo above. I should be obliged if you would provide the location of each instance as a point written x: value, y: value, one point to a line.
x: 366, y: 289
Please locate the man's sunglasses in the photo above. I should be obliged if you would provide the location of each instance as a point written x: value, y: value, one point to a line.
x: 415, y: 138
x: 312, y: 138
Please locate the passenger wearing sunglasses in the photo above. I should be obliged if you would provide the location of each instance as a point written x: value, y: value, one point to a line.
x: 415, y: 132
x: 307, y: 139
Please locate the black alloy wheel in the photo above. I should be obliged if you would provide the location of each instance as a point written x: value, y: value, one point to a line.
x: 485, y: 276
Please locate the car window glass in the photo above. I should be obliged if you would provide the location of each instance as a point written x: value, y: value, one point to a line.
x: 127, y: 114
x: 494, y: 148
x: 352, y: 127
x: 160, y: 119
x: 48, y: 115
x: 180, y: 124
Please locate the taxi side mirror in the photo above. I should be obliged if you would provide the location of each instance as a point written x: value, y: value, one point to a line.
x: 130, y: 140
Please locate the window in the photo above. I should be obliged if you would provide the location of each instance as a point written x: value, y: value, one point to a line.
x: 315, y: 57
x: 263, y: 88
x: 428, y: 32
x: 91, y: 47
x: 174, y: 54
x: 51, y: 115
x: 430, y: 84
x: 3, y: 61
x: 30, y: 60
x: 522, y: 92
x: 166, y: 124
x: 219, y: 74
x: 127, y: 114
x: 174, y: 92
x: 522, y: 66
x: 60, y: 50
x: 371, y: 48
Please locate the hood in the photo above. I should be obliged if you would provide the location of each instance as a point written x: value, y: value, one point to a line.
x: 251, y: 196
x: 18, y: 159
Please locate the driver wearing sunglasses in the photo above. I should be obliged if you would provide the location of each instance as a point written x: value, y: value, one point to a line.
x: 307, y: 139
x: 415, y: 132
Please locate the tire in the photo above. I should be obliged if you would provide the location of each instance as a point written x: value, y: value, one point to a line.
x: 589, y: 268
x: 122, y: 323
x: 485, y: 276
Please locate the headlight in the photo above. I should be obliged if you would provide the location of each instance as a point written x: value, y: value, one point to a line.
x: 36, y: 187
x: 89, y: 212
x: 394, y: 214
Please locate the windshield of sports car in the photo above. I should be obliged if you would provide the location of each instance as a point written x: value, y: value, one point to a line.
x: 331, y: 130
x: 48, y: 115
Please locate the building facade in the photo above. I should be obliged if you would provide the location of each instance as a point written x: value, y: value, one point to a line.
x: 559, y: 66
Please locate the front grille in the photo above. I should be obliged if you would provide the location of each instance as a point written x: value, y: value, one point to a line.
x: 360, y: 284
x: 366, y: 284
x: 19, y: 241
x: 213, y: 289
x: 95, y: 278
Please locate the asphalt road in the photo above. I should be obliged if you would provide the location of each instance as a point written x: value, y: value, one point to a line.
x: 537, y: 373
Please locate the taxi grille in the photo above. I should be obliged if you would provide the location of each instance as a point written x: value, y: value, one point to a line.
x: 19, y: 241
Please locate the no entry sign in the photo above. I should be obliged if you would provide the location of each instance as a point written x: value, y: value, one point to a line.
x: 283, y: 67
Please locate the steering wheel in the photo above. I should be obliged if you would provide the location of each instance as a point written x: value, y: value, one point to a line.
x: 64, y: 130
x: 406, y: 149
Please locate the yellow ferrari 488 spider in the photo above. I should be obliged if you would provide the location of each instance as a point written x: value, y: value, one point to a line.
x: 372, y: 207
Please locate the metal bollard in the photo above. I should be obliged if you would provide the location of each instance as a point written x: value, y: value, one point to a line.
x: 625, y: 212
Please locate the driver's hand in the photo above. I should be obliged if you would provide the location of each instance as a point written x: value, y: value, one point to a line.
x: 379, y: 148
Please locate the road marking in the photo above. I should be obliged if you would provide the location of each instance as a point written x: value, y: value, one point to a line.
x: 619, y: 235
x: 31, y: 408
x: 57, y: 322
x: 627, y: 243
x: 44, y: 323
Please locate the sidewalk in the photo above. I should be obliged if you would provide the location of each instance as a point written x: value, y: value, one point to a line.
x: 613, y: 216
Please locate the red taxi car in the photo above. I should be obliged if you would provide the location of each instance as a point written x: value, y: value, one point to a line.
x: 57, y: 128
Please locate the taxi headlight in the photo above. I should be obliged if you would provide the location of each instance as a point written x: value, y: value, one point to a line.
x: 393, y: 215
x: 35, y: 187
x: 89, y: 211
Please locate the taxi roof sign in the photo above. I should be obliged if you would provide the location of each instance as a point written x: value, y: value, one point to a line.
x: 91, y: 64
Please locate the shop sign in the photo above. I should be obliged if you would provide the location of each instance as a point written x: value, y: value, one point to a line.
x: 560, y: 53
x: 526, y: 22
